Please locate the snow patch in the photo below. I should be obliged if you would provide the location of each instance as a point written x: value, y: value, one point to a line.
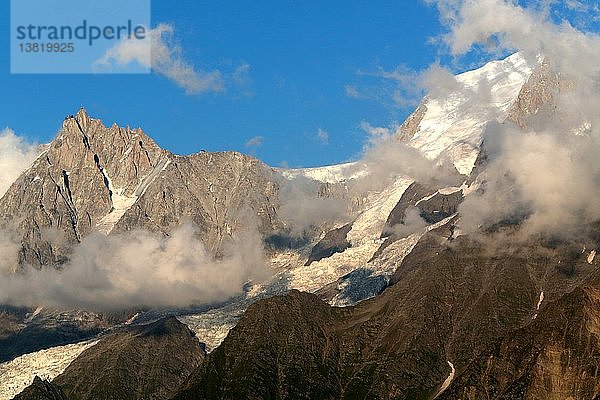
x: 211, y: 328
x: 329, y: 174
x: 539, y: 303
x: 447, y: 382
x: 426, y: 198
x: 130, y: 320
x: 122, y: 202
x: 591, y: 256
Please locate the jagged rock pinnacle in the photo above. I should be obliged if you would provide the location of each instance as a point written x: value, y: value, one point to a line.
x: 83, y: 118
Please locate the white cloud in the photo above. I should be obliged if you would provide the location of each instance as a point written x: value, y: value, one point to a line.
x: 256, y: 141
x: 302, y: 207
x: 351, y: 91
x: 401, y: 86
x: 139, y: 268
x: 323, y: 136
x: 376, y: 131
x: 160, y: 52
x: 16, y: 154
x: 241, y: 74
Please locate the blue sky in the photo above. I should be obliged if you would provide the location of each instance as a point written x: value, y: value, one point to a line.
x: 299, y: 78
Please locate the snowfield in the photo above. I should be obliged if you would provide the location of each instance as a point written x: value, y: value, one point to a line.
x: 454, y: 124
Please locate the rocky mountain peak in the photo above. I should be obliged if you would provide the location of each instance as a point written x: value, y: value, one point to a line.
x: 86, y: 173
x: 537, y: 94
x: 97, y: 178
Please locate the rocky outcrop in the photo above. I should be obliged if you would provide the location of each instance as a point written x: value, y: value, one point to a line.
x: 334, y: 241
x: 41, y: 390
x: 440, y: 206
x: 538, y: 95
x: 410, y: 126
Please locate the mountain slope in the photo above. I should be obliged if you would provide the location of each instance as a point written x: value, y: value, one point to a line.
x: 451, y: 299
x: 556, y: 357
x: 141, y: 362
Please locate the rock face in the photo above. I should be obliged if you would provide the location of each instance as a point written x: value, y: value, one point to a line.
x: 409, y: 127
x: 440, y: 206
x: 218, y: 192
x: 334, y: 241
x: 555, y: 357
x: 538, y: 95
x: 141, y: 362
x: 94, y: 178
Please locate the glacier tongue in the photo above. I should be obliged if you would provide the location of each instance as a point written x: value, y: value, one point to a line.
x: 17, y: 374
x: 454, y: 124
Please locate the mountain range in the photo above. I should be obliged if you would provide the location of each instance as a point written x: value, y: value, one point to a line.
x: 214, y: 275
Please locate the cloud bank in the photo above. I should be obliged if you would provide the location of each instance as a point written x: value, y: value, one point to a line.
x: 547, y: 173
x: 304, y: 205
x: 16, y: 154
x: 138, y: 269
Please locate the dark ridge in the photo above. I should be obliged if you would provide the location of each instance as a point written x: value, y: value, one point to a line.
x: 334, y: 241
x: 286, y: 241
x: 440, y: 206
x: 41, y: 390
x: 411, y: 195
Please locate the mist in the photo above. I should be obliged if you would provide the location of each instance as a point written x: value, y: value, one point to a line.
x: 139, y: 268
x: 385, y: 158
x: 303, y: 206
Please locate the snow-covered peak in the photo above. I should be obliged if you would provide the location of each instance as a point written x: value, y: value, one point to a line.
x: 453, y: 122
x: 449, y: 125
